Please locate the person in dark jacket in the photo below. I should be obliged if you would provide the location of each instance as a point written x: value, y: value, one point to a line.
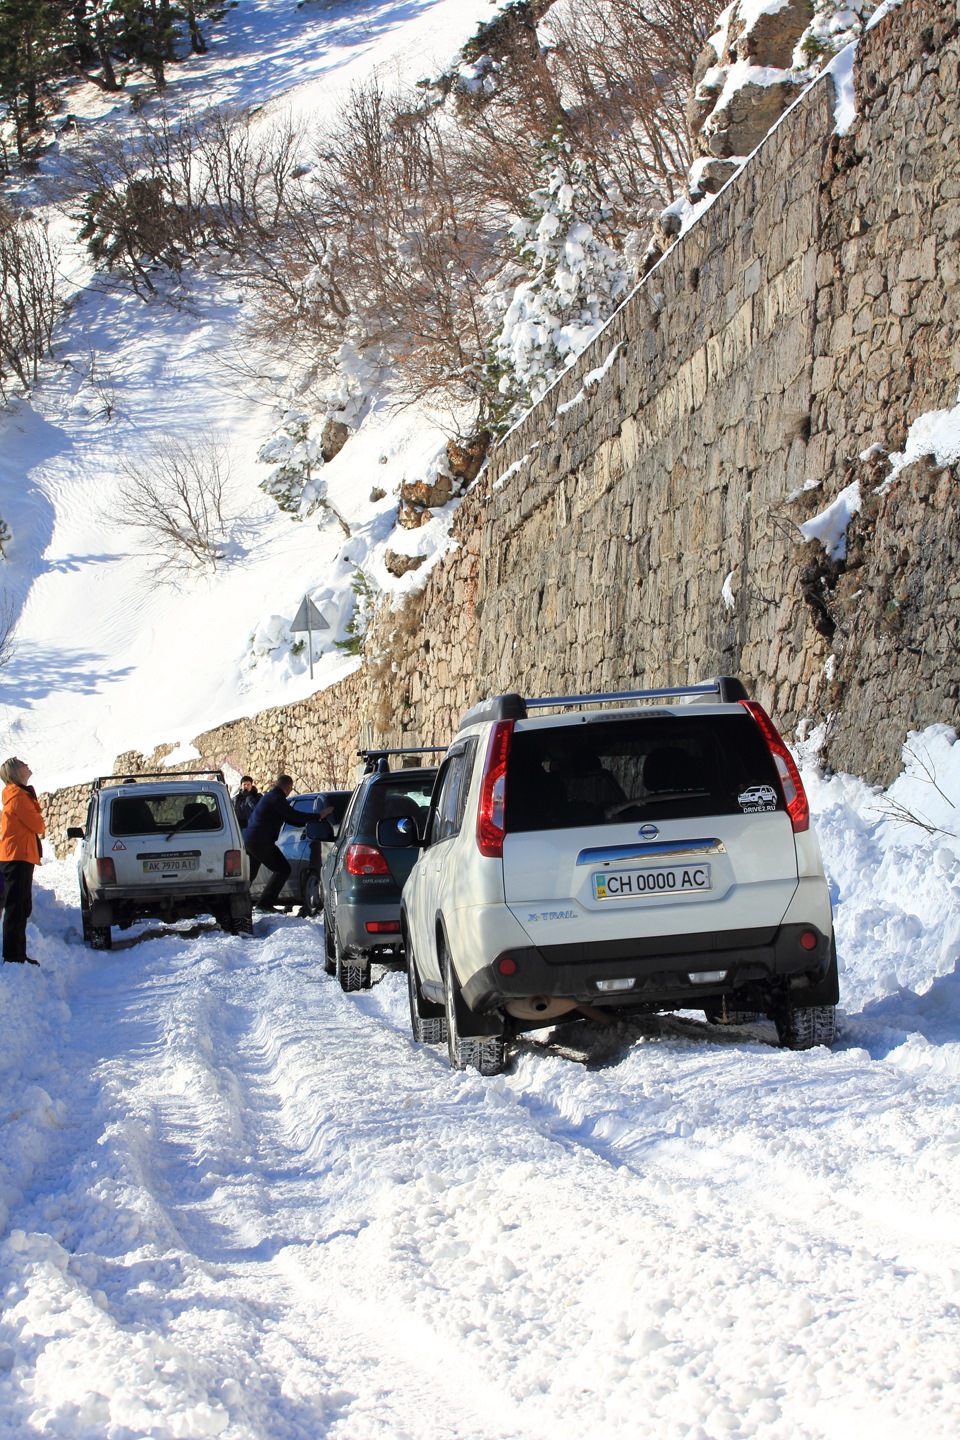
x: 273, y: 811
x: 246, y: 800
x: 21, y: 826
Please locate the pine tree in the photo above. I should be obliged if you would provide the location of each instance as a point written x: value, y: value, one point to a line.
x: 31, y: 38
x: 576, y: 279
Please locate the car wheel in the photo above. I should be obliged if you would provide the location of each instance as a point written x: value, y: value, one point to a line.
x: 801, y: 1027
x: 467, y: 1052
x: 85, y: 925
x: 351, y: 977
x: 312, y: 894
x: 329, y: 947
x: 428, y: 1022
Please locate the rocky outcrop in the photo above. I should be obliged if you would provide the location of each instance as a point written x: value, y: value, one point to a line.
x: 732, y: 109
x: 334, y: 436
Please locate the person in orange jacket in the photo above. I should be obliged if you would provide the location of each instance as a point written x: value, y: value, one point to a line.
x: 21, y: 825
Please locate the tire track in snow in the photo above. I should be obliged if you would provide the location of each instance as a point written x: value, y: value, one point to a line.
x: 267, y: 1045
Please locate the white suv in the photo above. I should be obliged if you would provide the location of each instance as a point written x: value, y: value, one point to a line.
x: 161, y: 848
x: 649, y: 850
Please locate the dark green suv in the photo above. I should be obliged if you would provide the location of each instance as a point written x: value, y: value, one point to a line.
x: 361, y: 883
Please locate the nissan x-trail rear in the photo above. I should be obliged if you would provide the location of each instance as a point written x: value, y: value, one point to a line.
x: 646, y: 851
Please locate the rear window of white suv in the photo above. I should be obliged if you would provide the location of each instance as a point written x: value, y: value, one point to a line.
x: 611, y: 771
x: 162, y: 812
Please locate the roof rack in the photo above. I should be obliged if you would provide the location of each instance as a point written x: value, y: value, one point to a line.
x: 727, y: 688
x: 377, y: 759
x: 101, y: 780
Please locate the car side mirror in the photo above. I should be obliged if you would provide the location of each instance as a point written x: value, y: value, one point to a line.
x: 319, y: 830
x: 399, y: 833
x: 75, y: 832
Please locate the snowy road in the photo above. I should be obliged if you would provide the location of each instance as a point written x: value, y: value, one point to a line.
x: 242, y: 1203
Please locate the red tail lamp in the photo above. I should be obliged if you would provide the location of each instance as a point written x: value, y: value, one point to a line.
x: 365, y: 860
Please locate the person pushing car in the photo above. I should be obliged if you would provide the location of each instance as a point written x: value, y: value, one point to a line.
x: 272, y: 812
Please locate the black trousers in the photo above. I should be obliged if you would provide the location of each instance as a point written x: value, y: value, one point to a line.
x: 272, y: 858
x: 17, y: 904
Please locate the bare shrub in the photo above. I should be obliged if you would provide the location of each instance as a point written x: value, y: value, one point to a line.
x: 627, y: 67
x: 379, y: 247
x: 252, y: 177
x: 32, y: 298
x: 177, y: 499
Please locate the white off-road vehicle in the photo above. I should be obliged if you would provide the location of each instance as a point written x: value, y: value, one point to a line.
x: 161, y: 847
x: 643, y: 851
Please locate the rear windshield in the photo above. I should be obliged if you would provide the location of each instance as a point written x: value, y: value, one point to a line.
x: 389, y: 799
x: 608, y: 772
x: 155, y: 812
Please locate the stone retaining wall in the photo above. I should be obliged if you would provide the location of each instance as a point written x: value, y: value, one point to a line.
x: 639, y: 527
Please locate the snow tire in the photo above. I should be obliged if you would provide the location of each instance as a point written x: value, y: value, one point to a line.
x: 801, y: 1027
x: 428, y: 1022
x: 329, y: 947
x: 485, y: 1053
x: 351, y: 977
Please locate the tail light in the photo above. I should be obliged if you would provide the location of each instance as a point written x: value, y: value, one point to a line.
x: 798, y: 806
x: 106, y: 871
x: 493, y: 792
x: 365, y: 860
x: 232, y: 864
x: 383, y: 927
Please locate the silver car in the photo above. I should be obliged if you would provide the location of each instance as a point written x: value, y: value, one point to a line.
x: 163, y: 848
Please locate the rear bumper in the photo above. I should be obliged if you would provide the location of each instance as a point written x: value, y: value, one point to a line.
x: 660, y: 968
x: 112, y: 904
x: 359, y: 943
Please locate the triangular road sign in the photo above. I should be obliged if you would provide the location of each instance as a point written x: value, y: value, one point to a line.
x: 308, y: 617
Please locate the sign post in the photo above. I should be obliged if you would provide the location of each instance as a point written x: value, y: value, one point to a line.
x: 308, y: 618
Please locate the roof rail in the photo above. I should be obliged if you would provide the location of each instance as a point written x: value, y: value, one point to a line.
x: 101, y: 780
x: 376, y: 759
x: 727, y: 689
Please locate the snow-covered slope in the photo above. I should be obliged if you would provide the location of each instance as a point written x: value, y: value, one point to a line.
x: 235, y: 1201
x: 108, y: 658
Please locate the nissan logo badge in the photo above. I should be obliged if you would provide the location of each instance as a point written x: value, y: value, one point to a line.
x: 648, y: 832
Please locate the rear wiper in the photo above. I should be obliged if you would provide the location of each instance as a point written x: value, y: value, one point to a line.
x: 182, y: 824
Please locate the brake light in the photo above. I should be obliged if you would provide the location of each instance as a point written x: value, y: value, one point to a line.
x: 493, y: 792
x: 798, y: 806
x: 232, y: 864
x: 365, y: 860
x: 106, y: 871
